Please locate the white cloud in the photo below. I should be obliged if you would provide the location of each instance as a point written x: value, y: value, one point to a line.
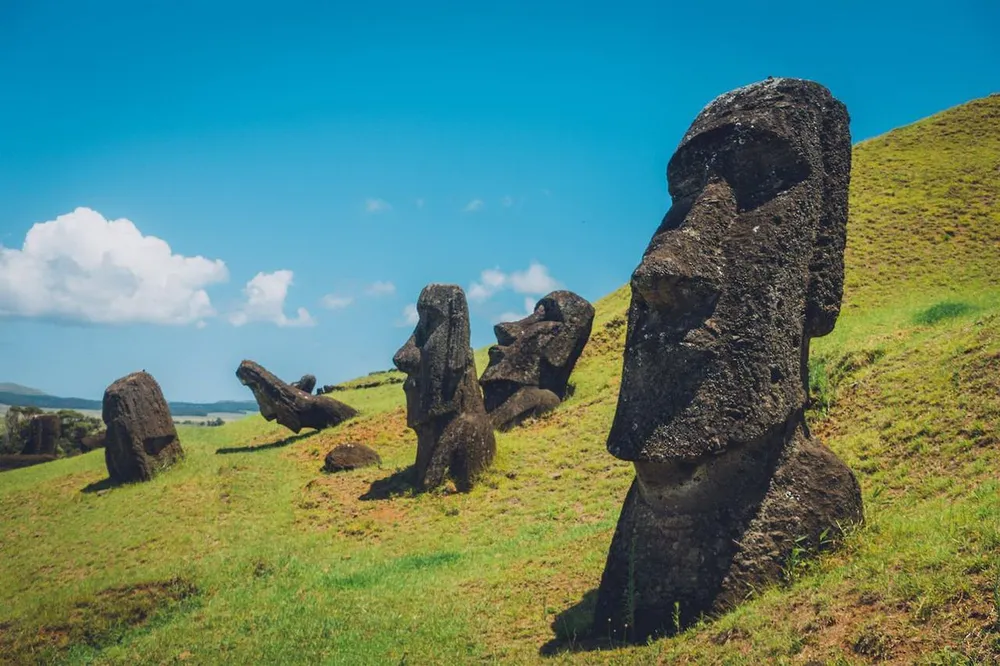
x: 492, y: 280
x: 332, y: 302
x: 474, y: 206
x: 82, y: 267
x: 535, y: 280
x: 507, y: 201
x: 420, y: 203
x: 410, y: 316
x: 377, y: 206
x: 529, y: 308
x: 265, y: 302
x: 380, y: 288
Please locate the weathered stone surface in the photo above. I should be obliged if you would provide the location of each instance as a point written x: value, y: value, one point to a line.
x: 531, y: 363
x: 306, y: 384
x: 444, y: 405
x: 745, y: 268
x: 141, y: 439
x: 345, y: 457
x: 44, y: 431
x: 92, y: 442
x: 289, y: 406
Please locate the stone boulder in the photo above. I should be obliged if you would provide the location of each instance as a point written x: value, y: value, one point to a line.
x: 444, y: 405
x: 289, y: 406
x: 745, y: 268
x: 531, y: 363
x: 44, y: 431
x: 345, y: 457
x: 306, y: 384
x: 141, y: 439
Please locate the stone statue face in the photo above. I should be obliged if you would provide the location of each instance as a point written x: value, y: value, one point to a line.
x: 437, y: 355
x: 745, y: 267
x: 539, y: 350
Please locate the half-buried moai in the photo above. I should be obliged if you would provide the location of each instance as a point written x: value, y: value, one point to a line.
x: 288, y: 405
x: 141, y: 439
x: 444, y: 405
x: 44, y: 431
x: 306, y: 384
x: 744, y: 269
x: 531, y: 363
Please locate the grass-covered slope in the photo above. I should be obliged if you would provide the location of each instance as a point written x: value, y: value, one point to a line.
x: 246, y: 553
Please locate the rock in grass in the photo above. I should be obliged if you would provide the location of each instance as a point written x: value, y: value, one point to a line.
x: 444, y: 405
x: 531, y: 363
x: 745, y: 268
x: 293, y: 408
x: 141, y: 439
x: 44, y: 431
x: 345, y: 457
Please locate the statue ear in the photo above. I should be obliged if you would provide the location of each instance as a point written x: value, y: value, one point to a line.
x: 826, y: 268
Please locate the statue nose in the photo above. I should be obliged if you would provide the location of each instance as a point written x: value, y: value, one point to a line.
x: 506, y: 333
x: 668, y: 284
x: 407, y: 359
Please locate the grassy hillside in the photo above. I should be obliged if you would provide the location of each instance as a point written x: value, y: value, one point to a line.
x: 18, y: 389
x: 246, y: 553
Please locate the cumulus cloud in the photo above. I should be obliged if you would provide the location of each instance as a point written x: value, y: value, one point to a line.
x: 410, y: 316
x: 265, y: 302
x: 534, y: 280
x: 82, y: 267
x: 474, y: 206
x: 380, y: 288
x: 332, y: 302
x: 529, y: 308
x: 377, y: 206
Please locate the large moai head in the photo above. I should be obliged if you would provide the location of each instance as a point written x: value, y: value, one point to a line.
x: 141, y: 438
x: 444, y: 405
x: 532, y: 361
x: 744, y: 269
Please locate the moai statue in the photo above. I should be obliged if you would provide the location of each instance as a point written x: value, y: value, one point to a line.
x: 744, y: 269
x: 141, y: 438
x: 444, y: 405
x: 531, y: 363
x: 287, y: 404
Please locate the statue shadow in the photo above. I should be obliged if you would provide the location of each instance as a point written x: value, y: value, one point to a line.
x: 264, y: 447
x: 398, y: 483
x: 98, y: 486
x: 573, y: 630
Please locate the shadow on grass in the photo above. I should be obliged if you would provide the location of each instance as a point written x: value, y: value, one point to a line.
x: 572, y: 629
x: 400, y: 482
x: 98, y: 486
x: 264, y: 447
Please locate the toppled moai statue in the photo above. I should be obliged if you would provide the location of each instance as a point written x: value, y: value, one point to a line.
x: 306, y: 384
x: 745, y: 268
x: 443, y: 403
x: 44, y: 431
x: 345, y: 457
x: 291, y: 407
x: 141, y: 439
x: 530, y: 366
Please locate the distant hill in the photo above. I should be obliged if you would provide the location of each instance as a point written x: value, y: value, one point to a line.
x: 39, y: 399
x: 17, y: 389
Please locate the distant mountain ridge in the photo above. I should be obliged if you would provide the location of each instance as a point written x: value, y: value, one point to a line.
x: 10, y: 387
x: 15, y: 394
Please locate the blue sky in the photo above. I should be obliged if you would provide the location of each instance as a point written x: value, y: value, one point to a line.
x: 337, y: 157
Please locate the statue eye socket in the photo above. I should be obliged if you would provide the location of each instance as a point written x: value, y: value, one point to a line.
x: 757, y: 163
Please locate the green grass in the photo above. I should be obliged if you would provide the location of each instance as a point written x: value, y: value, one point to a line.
x: 283, y: 564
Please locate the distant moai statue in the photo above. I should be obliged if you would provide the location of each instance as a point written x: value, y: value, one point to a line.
x: 444, y: 405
